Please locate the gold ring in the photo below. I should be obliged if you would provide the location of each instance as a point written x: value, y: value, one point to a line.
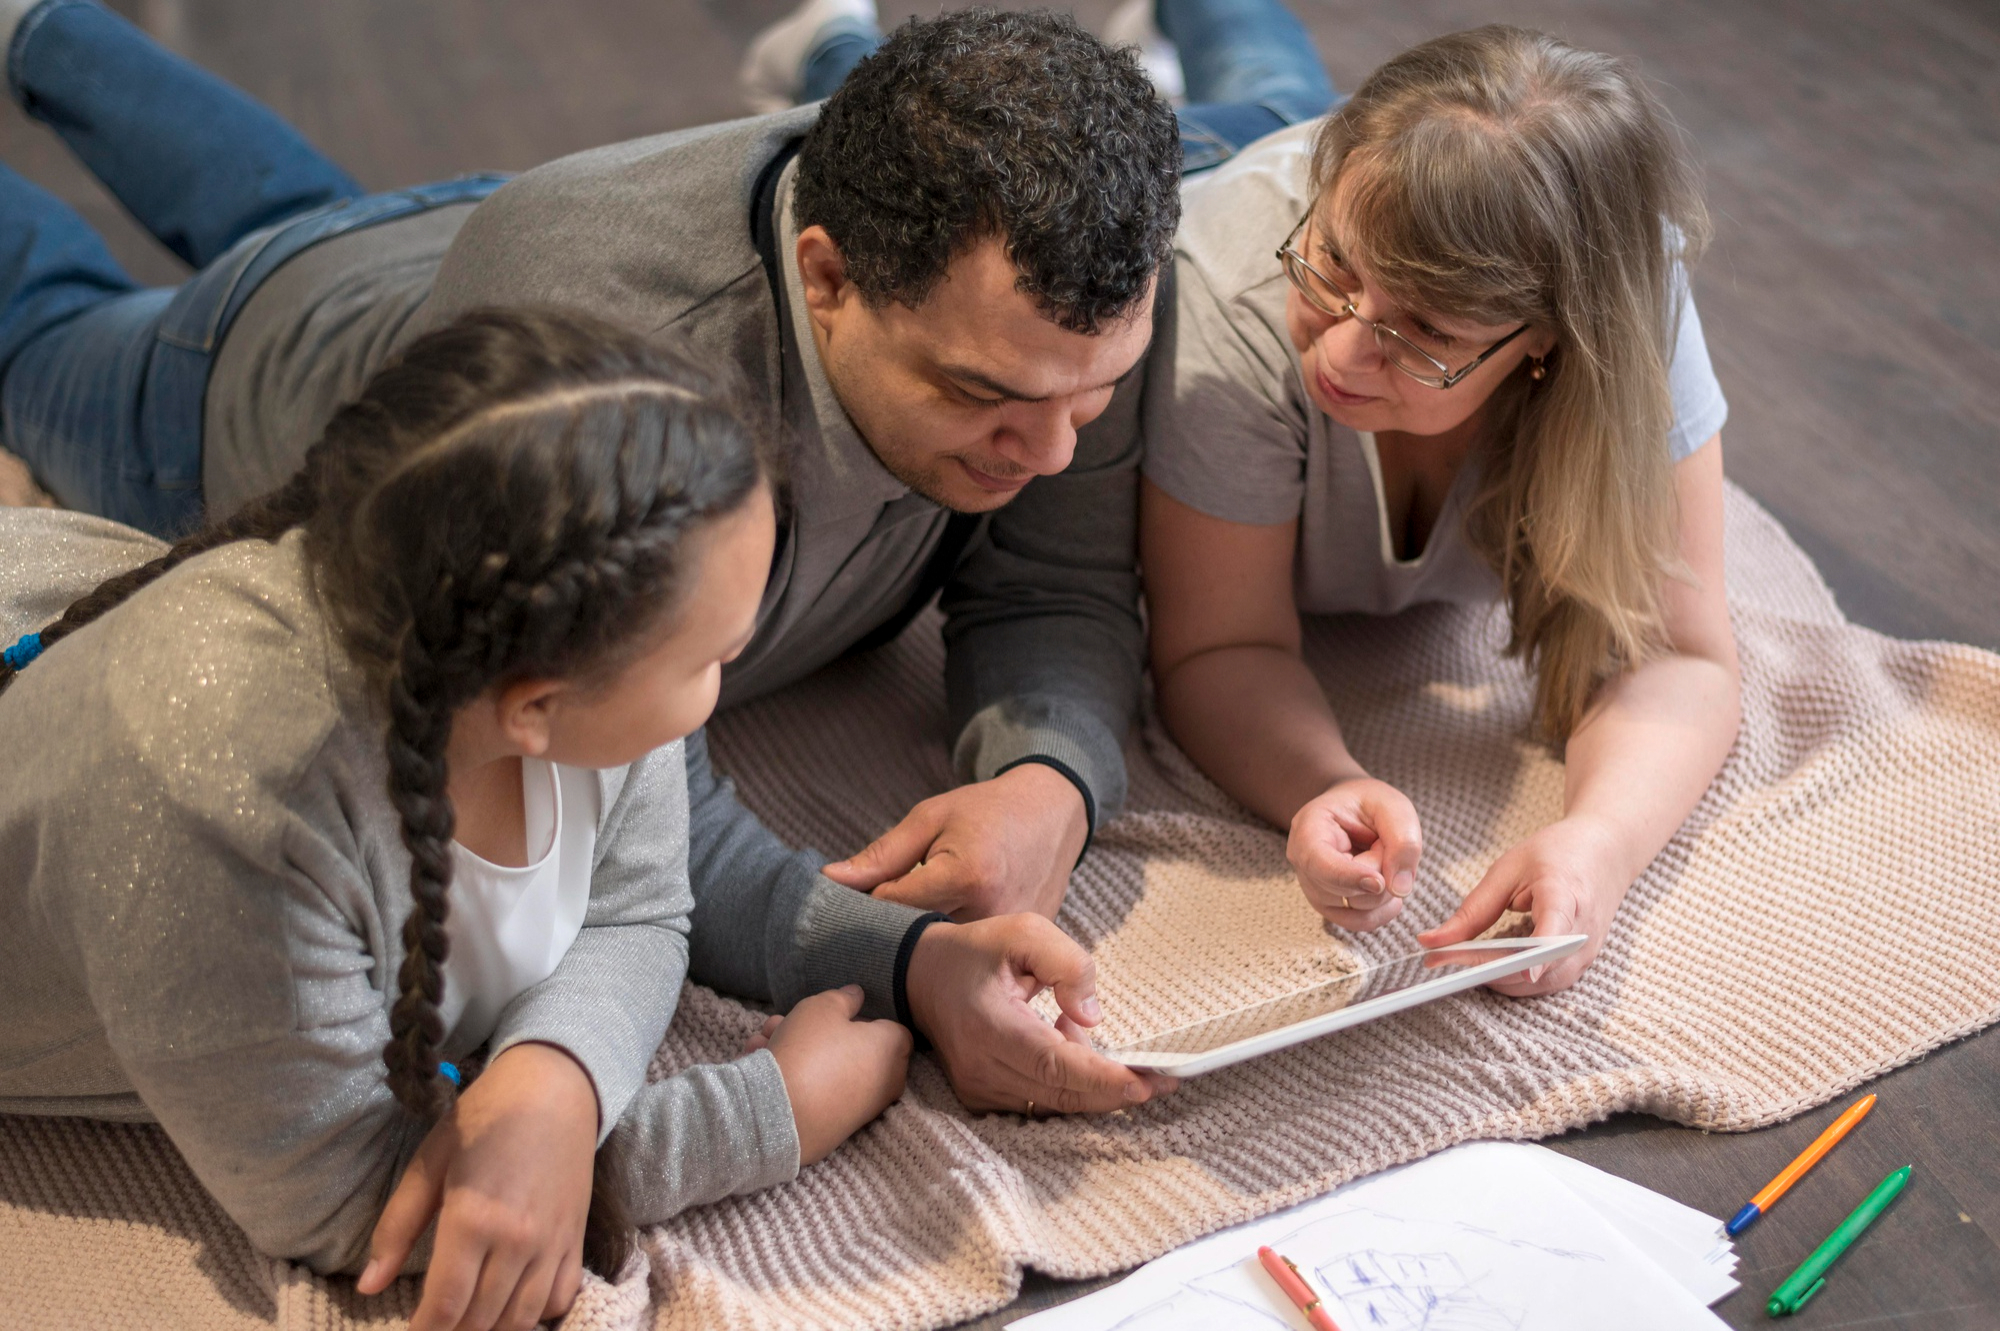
x: 1344, y: 905
x: 1031, y: 1109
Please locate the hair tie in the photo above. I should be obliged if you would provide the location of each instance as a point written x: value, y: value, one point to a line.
x: 23, y: 652
x: 449, y: 1071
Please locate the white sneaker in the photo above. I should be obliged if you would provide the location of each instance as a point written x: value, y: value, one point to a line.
x: 1133, y: 24
x: 11, y: 14
x: 773, y: 71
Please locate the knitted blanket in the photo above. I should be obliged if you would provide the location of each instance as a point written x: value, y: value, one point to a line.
x: 1823, y: 916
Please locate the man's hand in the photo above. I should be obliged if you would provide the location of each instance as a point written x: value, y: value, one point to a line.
x: 992, y: 848
x: 506, y: 1172
x: 969, y: 986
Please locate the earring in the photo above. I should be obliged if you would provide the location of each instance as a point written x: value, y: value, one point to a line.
x: 1537, y: 371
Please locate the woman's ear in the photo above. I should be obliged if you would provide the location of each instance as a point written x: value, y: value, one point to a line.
x: 1540, y: 342
x: 526, y: 713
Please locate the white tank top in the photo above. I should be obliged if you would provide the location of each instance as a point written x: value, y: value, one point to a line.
x: 508, y: 927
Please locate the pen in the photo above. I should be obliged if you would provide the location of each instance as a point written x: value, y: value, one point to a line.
x: 1293, y: 1284
x: 1810, y: 1278
x: 1791, y: 1173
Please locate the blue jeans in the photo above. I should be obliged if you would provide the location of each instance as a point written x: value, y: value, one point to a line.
x: 1249, y: 65
x: 101, y: 380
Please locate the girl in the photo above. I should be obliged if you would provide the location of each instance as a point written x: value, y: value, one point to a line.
x: 385, y: 771
x: 1438, y: 347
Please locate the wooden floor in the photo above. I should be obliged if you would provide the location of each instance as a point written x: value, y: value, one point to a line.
x: 1852, y: 304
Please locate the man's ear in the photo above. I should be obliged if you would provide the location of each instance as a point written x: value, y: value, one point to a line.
x: 823, y: 272
x: 526, y: 713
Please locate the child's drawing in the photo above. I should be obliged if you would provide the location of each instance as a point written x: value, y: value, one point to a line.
x: 1397, y: 1291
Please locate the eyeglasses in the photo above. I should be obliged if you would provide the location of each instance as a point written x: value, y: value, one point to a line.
x: 1400, y: 346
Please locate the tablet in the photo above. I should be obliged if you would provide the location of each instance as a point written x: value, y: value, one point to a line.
x: 1363, y: 994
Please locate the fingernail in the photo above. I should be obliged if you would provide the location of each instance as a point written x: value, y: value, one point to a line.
x: 1405, y: 881
x: 1535, y: 972
x: 1371, y: 884
x: 370, y: 1272
x: 1135, y: 1091
x: 1090, y: 1009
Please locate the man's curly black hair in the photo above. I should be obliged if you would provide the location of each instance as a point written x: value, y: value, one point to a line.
x: 1018, y: 126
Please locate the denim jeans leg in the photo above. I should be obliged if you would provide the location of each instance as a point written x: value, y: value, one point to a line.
x: 1247, y: 52
x: 53, y: 265
x: 76, y: 333
x: 70, y: 406
x: 199, y: 163
x: 836, y: 52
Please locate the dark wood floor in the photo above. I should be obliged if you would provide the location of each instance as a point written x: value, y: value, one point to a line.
x: 1852, y: 303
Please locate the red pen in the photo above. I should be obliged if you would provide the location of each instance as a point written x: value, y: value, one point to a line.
x: 1295, y: 1288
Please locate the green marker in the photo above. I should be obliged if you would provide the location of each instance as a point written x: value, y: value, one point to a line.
x: 1810, y: 1278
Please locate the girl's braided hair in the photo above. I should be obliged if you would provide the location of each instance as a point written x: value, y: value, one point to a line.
x: 511, y: 498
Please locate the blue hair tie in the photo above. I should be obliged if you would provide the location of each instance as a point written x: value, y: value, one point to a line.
x: 449, y: 1071
x: 23, y: 652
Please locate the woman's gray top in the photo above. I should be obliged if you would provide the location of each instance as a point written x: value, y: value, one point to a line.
x: 202, y: 893
x: 1231, y: 433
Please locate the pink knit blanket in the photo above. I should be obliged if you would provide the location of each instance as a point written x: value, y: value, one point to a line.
x: 1761, y: 966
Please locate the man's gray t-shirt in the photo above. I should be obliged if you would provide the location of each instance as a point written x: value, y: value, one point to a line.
x: 1231, y: 433
x: 306, y: 341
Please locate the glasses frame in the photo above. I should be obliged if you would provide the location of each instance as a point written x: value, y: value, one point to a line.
x: 1291, y: 261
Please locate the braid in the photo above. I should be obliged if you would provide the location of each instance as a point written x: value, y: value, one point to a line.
x: 518, y: 492
x: 265, y: 519
x: 419, y: 730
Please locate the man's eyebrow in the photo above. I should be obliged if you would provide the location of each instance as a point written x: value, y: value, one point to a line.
x: 978, y: 380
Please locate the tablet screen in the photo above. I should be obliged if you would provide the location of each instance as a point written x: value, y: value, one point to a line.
x: 1361, y: 985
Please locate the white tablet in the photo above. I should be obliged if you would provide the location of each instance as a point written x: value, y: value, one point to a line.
x: 1362, y: 994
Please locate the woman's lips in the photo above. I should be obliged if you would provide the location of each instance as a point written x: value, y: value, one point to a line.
x: 1338, y: 396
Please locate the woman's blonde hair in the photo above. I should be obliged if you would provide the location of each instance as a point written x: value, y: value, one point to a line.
x: 1503, y: 176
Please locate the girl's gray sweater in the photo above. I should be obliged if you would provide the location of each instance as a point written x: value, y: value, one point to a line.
x: 202, y: 894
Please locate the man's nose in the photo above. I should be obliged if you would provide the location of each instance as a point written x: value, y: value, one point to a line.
x: 1042, y: 440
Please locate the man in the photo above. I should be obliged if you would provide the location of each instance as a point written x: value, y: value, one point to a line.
x: 940, y: 282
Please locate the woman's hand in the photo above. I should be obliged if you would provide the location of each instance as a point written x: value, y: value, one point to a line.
x: 1355, y: 847
x: 840, y: 1073
x: 1566, y: 876
x: 507, y: 1174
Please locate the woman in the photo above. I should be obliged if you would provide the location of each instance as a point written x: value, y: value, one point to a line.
x: 1438, y: 347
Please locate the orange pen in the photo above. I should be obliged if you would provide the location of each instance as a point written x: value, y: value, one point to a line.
x: 1791, y: 1173
x: 1295, y: 1288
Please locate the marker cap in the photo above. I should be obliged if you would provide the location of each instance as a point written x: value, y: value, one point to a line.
x: 1743, y: 1219
x: 1779, y: 1307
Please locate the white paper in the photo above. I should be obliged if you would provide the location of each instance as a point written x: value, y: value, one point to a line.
x: 1689, y: 1244
x: 1482, y: 1237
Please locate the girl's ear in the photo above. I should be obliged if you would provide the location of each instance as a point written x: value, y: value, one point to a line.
x: 526, y: 713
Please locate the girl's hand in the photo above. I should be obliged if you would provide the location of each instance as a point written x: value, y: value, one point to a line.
x: 1355, y: 848
x: 507, y: 1174
x: 840, y: 1073
x: 1566, y: 876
